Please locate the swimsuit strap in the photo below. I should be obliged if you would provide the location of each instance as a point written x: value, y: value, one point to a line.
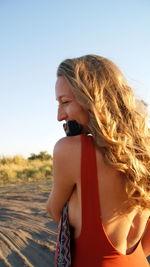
x: 89, y: 184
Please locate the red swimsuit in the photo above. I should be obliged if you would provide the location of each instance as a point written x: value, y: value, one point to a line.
x: 93, y: 248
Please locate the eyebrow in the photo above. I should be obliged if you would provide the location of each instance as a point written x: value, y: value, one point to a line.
x: 61, y: 96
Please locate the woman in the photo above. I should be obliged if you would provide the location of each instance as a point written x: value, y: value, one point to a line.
x: 105, y: 176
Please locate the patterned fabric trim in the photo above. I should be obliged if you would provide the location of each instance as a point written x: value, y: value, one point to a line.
x: 63, y: 255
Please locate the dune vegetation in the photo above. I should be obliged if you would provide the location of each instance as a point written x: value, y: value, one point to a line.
x: 18, y: 169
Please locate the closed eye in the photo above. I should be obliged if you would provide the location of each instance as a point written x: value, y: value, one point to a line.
x: 64, y: 102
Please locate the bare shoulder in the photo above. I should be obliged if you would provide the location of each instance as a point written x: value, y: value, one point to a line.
x: 67, y: 146
x: 65, y: 166
x: 67, y: 156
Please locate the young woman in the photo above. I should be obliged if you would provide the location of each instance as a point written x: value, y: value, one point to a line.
x: 104, y: 175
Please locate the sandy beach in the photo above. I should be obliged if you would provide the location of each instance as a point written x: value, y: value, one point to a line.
x: 27, y: 234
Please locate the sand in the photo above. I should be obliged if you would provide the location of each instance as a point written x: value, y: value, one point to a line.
x: 27, y: 234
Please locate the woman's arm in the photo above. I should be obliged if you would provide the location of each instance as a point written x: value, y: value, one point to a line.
x: 64, y: 176
x: 146, y: 240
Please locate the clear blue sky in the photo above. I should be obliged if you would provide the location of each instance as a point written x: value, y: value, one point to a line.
x: 35, y: 36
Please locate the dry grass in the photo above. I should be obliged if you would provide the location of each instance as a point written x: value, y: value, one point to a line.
x: 19, y: 169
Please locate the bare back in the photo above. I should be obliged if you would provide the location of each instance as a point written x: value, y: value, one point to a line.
x: 123, y: 231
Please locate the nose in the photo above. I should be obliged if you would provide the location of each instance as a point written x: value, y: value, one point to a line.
x: 61, y: 115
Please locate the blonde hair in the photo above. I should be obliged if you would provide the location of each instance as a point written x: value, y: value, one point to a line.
x: 118, y: 128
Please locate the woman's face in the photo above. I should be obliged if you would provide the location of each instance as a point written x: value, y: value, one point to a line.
x: 69, y: 108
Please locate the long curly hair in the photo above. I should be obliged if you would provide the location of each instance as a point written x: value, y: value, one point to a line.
x: 119, y: 129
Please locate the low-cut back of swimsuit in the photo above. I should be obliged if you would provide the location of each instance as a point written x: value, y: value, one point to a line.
x: 93, y: 248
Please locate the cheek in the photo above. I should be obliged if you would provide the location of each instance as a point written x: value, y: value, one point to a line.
x: 83, y: 115
x: 86, y: 117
